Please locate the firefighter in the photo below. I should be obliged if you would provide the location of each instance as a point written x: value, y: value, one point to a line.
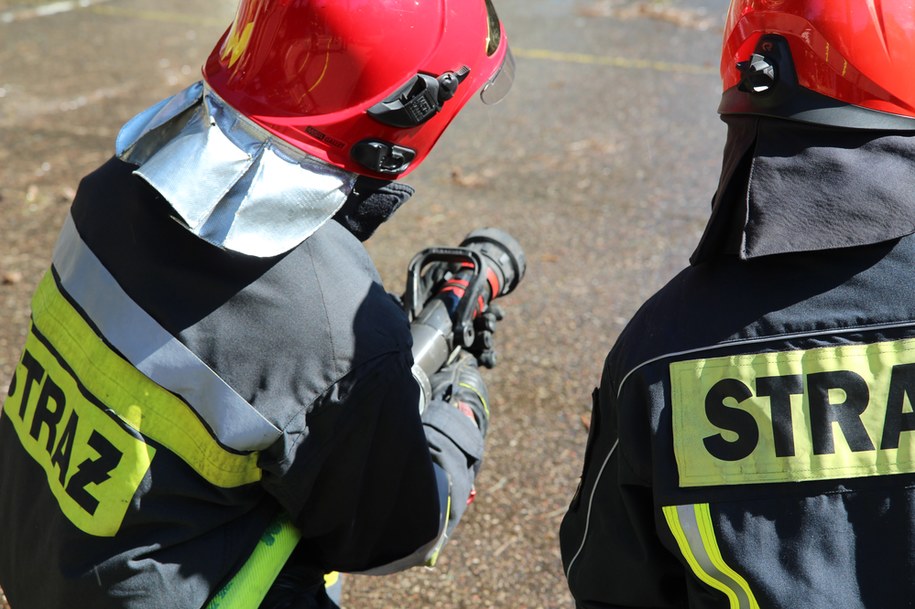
x: 751, y: 442
x: 212, y: 359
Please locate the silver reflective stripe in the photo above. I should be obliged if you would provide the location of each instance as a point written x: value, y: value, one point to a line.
x: 689, y: 524
x: 584, y: 536
x: 153, y: 350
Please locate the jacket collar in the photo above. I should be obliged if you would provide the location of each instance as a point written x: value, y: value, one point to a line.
x: 792, y: 187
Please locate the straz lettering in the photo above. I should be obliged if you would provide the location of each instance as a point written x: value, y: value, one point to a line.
x: 93, y: 465
x: 825, y: 413
x: 46, y: 418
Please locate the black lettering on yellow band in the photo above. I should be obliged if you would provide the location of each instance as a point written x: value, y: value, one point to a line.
x: 82, y: 412
x: 825, y: 413
x: 93, y: 464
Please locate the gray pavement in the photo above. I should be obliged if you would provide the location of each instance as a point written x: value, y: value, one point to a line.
x: 601, y: 162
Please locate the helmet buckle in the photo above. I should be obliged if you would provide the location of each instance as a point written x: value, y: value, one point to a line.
x: 418, y: 100
x: 382, y: 157
x: 757, y: 74
x: 448, y: 83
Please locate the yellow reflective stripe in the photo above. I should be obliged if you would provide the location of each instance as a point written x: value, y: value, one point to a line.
x: 673, y: 522
x: 144, y: 405
x: 479, y: 395
x: 92, y: 463
x: 433, y: 557
x: 707, y: 532
x: 692, y: 527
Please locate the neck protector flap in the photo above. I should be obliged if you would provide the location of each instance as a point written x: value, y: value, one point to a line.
x: 232, y: 183
x: 791, y: 187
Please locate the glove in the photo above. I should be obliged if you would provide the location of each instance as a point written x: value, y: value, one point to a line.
x: 371, y: 202
x: 460, y: 384
x: 456, y: 444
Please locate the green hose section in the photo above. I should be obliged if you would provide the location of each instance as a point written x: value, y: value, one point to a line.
x: 249, y: 586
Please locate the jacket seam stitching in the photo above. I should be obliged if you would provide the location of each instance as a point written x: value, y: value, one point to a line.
x: 760, y: 340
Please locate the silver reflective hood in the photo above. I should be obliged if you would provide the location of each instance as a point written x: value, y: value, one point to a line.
x: 233, y: 184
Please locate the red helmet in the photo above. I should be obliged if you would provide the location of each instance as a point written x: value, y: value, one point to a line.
x: 846, y: 64
x: 366, y: 85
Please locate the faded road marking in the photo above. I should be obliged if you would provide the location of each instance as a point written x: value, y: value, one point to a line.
x: 100, y: 7
x: 616, y: 62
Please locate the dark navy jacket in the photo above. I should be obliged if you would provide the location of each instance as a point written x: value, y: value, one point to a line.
x: 752, y: 440
x: 173, y: 397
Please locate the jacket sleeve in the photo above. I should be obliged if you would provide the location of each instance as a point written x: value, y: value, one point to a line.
x: 455, y: 431
x: 359, y: 478
x: 611, y: 552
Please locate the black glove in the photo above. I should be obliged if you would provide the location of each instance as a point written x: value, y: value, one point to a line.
x: 371, y: 202
x: 461, y: 385
x: 455, y: 421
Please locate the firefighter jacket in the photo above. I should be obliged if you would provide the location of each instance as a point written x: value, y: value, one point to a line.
x: 751, y: 442
x: 173, y: 396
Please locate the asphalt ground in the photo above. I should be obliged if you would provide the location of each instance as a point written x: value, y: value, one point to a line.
x: 601, y: 162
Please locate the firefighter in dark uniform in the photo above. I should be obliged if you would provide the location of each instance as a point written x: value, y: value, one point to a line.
x: 752, y: 442
x: 213, y: 365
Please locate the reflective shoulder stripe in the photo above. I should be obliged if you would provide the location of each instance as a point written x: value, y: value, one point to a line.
x: 692, y: 527
x: 154, y: 412
x: 153, y: 350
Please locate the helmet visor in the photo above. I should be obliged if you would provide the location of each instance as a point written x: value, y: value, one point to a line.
x: 500, y: 83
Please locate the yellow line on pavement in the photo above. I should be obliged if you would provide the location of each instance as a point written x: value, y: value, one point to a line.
x: 101, y: 7
x: 616, y: 62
